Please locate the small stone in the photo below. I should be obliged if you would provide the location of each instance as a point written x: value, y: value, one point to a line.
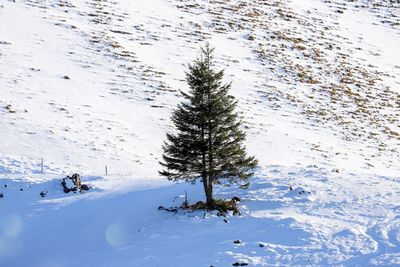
x: 66, y: 77
x: 21, y: 189
x: 236, y: 199
x: 10, y: 109
x: 261, y: 245
x: 1, y: 195
x: 240, y: 264
x: 237, y: 241
x: 84, y: 187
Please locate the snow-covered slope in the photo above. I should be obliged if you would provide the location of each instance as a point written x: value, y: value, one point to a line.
x: 89, y: 84
x: 312, y: 82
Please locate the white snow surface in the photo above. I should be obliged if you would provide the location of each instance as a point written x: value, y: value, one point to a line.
x: 90, y: 84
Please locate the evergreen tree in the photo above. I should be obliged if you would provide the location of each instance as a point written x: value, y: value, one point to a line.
x: 208, y: 143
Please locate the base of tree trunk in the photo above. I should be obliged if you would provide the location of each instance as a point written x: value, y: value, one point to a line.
x: 223, y: 206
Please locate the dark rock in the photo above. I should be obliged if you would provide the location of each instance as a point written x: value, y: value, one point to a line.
x: 21, y: 189
x: 43, y: 193
x: 10, y: 108
x: 64, y: 185
x: 5, y: 185
x: 244, y: 186
x: 226, y: 221
x: 76, y: 180
x: 85, y: 187
x: 236, y: 212
x: 240, y: 264
x: 66, y: 190
x: 261, y: 245
x: 237, y: 241
x: 66, y: 77
x: 236, y: 199
x: 175, y: 210
x: 1, y: 195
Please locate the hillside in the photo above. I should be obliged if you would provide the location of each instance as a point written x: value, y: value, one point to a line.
x: 89, y: 84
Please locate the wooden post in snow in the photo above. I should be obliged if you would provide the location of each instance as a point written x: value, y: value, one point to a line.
x: 41, y: 167
x: 106, y: 170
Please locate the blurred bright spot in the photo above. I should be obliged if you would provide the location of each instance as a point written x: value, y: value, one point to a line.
x: 9, y: 247
x: 11, y: 225
x: 3, y: 247
x: 10, y: 228
x: 116, y: 235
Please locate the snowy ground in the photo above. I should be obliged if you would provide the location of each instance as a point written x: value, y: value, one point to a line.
x: 327, y: 219
x: 85, y: 84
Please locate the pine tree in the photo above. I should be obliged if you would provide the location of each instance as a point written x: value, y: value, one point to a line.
x: 208, y: 143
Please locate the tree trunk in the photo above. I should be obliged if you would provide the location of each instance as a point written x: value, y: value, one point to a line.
x: 209, y: 195
x: 204, y: 180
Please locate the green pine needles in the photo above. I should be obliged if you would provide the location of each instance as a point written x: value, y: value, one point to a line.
x: 208, y: 143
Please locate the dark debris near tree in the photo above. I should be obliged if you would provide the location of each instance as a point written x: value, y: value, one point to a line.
x: 223, y: 207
